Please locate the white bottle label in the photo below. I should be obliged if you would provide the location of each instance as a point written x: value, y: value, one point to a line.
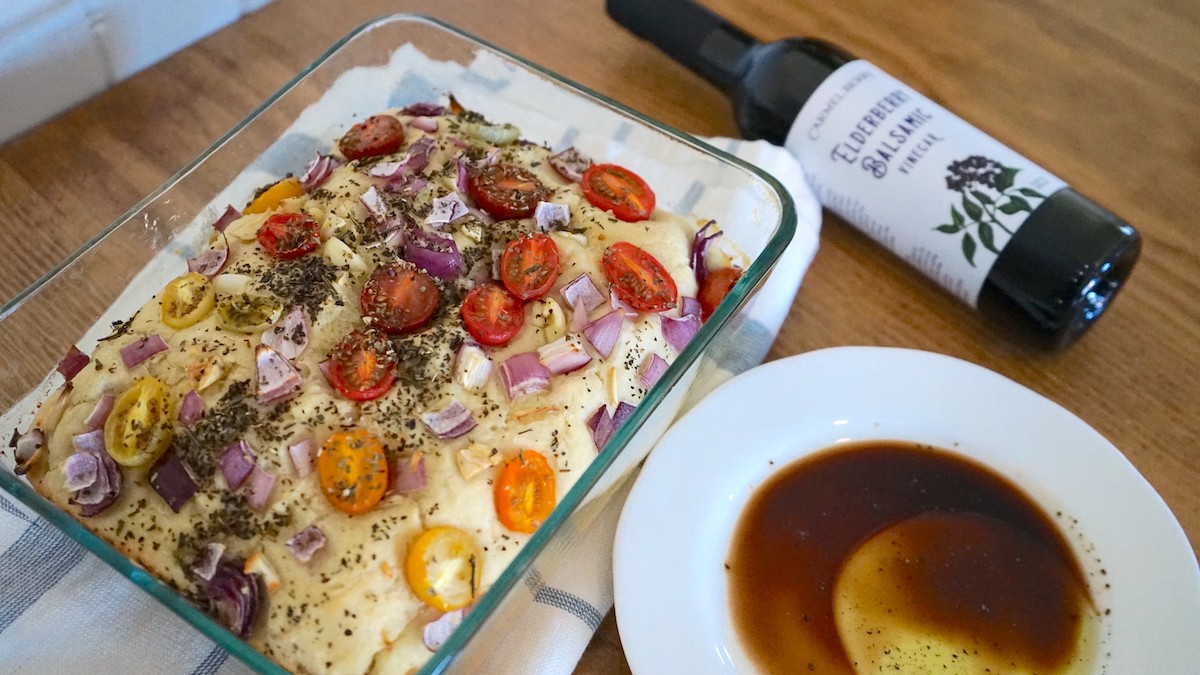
x: 935, y: 190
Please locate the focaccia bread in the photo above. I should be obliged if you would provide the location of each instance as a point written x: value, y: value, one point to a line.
x: 336, y: 430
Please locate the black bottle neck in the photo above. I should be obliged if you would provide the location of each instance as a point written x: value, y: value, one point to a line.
x: 712, y: 47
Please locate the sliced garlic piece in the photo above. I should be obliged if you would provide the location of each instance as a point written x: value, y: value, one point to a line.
x: 549, y: 317
x: 342, y: 256
x: 257, y: 564
x: 476, y: 458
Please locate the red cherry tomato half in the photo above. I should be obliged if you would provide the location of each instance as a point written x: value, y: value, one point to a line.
x: 399, y: 299
x: 376, y: 135
x: 507, y: 190
x: 362, y: 366
x: 529, y: 266
x: 491, y: 315
x: 638, y: 278
x: 289, y: 235
x: 714, y: 289
x: 617, y: 189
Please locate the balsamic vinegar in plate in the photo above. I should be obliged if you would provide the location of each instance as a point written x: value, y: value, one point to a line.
x: 886, y: 556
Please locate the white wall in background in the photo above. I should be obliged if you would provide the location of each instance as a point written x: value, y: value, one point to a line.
x: 56, y: 53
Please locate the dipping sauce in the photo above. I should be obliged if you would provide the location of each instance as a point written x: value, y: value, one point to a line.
x: 891, y: 557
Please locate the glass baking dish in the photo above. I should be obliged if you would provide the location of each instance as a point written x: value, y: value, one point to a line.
x: 388, y: 62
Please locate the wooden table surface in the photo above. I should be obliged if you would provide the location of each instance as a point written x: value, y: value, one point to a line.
x: 1104, y: 93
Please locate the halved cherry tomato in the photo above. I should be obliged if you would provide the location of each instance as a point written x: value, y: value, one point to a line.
x: 444, y: 568
x: 289, y: 235
x: 187, y: 299
x: 638, y: 278
x: 525, y: 492
x: 399, y: 299
x: 376, y: 135
x: 139, y: 428
x: 617, y: 189
x: 507, y: 190
x: 716, y: 286
x: 353, y: 471
x: 269, y: 199
x: 491, y: 315
x: 362, y: 367
x: 529, y: 266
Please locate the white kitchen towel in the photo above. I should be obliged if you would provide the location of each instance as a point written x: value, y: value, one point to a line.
x: 64, y: 611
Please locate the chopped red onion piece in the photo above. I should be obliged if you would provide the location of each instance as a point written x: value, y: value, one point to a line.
x: 434, y: 252
x: 579, y: 316
x: 472, y: 366
x: 101, y: 412
x: 446, y: 209
x: 91, y: 441
x: 212, y: 261
x: 301, y: 453
x: 497, y: 254
x: 305, y: 543
x: 571, y: 163
x: 191, y: 408
x: 206, y: 566
x: 318, y: 171
x: 81, y: 469
x: 699, y: 247
x: 601, y: 424
x: 564, y: 355
x: 620, y: 304
x: 689, y: 306
x: 277, y: 378
x: 289, y: 335
x: 523, y: 374
x: 236, y: 463
x: 679, y: 332
x: 426, y: 124
x: 408, y: 474
x: 258, y: 488
x: 139, y: 350
x: 424, y: 109
x: 72, y: 363
x: 551, y: 216
x: 27, y: 450
x: 622, y: 413
x: 450, y: 422
x: 493, y: 157
x: 235, y: 597
x: 376, y: 207
x: 172, y: 480
x: 104, y: 492
x: 463, y: 181
x: 652, y: 369
x: 603, y: 332
x: 407, y: 186
x: 231, y: 214
x: 416, y: 159
x: 436, y: 632
x: 583, y: 288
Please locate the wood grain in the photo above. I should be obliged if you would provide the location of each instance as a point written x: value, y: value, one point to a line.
x: 1102, y: 92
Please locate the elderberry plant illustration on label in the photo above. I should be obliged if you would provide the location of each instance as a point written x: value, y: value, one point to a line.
x: 989, y: 197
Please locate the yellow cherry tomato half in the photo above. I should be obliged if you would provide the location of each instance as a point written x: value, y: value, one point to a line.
x: 187, y: 299
x: 353, y: 471
x: 246, y: 313
x: 444, y: 568
x: 525, y: 492
x: 269, y: 199
x: 139, y: 428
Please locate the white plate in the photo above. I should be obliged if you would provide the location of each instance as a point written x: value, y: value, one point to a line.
x: 674, y: 532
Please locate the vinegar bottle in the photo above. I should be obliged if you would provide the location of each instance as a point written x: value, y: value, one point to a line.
x: 993, y: 228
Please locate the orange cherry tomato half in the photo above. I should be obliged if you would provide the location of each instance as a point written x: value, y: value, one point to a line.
x: 507, y: 190
x: 638, y: 278
x: 617, y: 189
x: 529, y: 266
x: 399, y: 299
x: 353, y: 471
x: 287, y: 236
x: 362, y: 367
x: 491, y: 315
x: 376, y: 135
x: 716, y: 286
x: 525, y: 492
